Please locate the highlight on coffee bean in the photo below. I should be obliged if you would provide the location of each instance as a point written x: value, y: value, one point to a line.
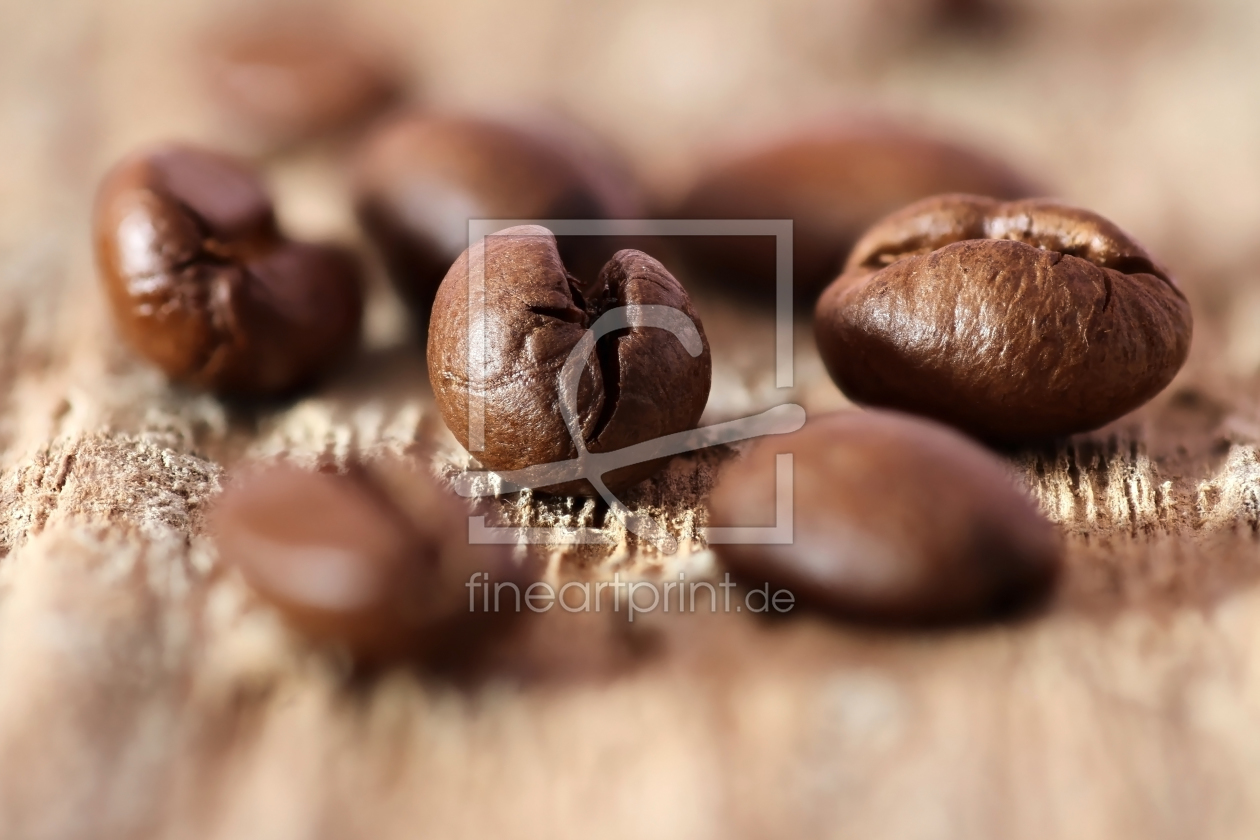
x: 203, y: 283
x: 773, y: 418
x: 637, y: 384
x: 1016, y: 322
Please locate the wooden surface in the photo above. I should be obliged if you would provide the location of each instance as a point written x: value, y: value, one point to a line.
x: 143, y: 692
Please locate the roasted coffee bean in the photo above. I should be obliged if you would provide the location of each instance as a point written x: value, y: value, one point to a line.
x: 1012, y: 321
x: 286, y: 79
x: 639, y: 383
x: 895, y: 519
x: 832, y: 183
x: 203, y: 284
x: 419, y: 180
x: 376, y: 559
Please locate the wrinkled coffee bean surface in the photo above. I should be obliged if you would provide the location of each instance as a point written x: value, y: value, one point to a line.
x: 1012, y: 321
x: 640, y: 383
x: 204, y: 285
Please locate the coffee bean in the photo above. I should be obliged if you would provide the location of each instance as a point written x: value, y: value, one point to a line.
x: 1012, y: 321
x: 894, y: 518
x: 376, y: 559
x: 203, y: 284
x: 419, y: 180
x: 285, y: 79
x: 640, y: 383
x: 832, y: 183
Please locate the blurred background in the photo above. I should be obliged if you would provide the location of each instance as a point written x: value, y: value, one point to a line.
x: 1143, y: 110
x: 1146, y: 111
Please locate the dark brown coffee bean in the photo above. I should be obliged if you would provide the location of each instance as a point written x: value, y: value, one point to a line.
x: 419, y: 180
x: 832, y: 184
x: 376, y: 559
x: 285, y: 79
x: 203, y: 284
x: 894, y: 519
x: 640, y: 384
x: 1012, y: 321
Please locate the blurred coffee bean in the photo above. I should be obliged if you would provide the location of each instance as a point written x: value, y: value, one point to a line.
x: 1014, y: 321
x: 288, y: 78
x: 204, y: 285
x: 976, y: 19
x: 419, y: 180
x: 638, y: 384
x: 832, y: 183
x: 376, y: 559
x: 895, y: 519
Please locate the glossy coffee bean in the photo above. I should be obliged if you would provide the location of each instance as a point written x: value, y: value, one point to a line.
x: 640, y: 383
x: 895, y: 519
x: 285, y: 79
x: 376, y: 559
x: 1012, y: 321
x: 203, y: 284
x: 832, y: 183
x: 419, y: 180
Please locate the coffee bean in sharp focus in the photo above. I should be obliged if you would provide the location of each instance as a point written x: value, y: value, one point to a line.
x: 420, y: 179
x: 376, y: 559
x: 832, y: 182
x: 1012, y: 321
x: 204, y: 285
x: 639, y: 384
x: 895, y: 519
